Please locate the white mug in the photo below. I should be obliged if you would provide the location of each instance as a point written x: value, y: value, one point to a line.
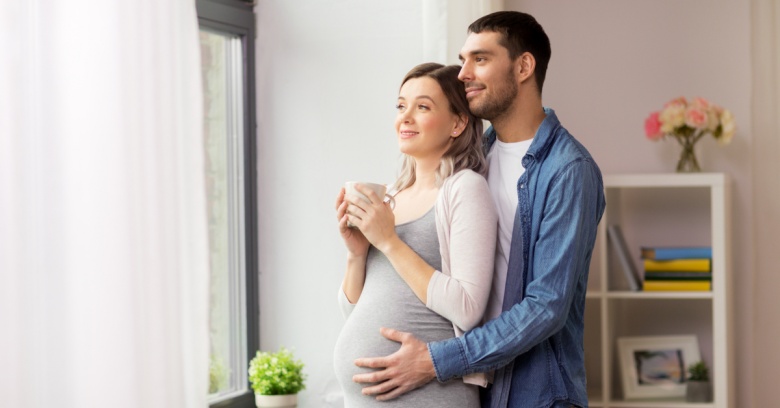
x: 378, y: 189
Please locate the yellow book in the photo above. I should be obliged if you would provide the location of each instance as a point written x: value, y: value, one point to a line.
x: 680, y: 265
x: 660, y: 285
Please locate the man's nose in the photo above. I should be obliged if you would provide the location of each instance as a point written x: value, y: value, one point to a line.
x: 465, y: 72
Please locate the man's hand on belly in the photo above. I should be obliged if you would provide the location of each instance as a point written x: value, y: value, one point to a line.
x: 408, y: 368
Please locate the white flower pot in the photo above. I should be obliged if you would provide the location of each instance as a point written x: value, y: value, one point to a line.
x: 276, y: 401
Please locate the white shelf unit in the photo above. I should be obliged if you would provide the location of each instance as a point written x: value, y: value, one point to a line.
x: 660, y: 210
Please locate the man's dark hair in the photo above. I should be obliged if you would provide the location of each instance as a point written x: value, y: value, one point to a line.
x: 519, y: 33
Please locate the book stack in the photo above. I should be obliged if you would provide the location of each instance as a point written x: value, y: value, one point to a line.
x: 677, y: 268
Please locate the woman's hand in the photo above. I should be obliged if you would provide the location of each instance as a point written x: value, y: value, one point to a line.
x: 375, y: 219
x: 356, y: 243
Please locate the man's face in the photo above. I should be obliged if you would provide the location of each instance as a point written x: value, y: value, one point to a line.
x: 488, y: 74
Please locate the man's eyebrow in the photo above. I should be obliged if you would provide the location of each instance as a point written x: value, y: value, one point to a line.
x: 475, y: 52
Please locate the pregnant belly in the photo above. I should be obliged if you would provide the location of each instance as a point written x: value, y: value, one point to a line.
x: 360, y: 335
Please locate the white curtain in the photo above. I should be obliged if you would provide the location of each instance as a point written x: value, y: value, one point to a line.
x: 765, y: 109
x: 103, y: 241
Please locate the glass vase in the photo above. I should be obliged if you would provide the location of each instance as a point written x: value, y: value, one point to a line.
x: 687, y: 162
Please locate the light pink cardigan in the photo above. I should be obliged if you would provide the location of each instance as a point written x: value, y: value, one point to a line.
x: 466, y: 224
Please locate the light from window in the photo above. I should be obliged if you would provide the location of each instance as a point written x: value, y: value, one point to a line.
x: 221, y: 62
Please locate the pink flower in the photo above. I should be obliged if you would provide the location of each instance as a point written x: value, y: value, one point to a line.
x: 701, y: 103
x: 653, y: 126
x: 696, y: 117
x: 711, y: 110
x: 690, y: 121
x: 678, y: 102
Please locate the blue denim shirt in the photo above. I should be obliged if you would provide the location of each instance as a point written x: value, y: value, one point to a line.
x: 536, y: 344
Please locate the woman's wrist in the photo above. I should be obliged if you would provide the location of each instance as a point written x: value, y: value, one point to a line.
x: 389, y: 245
x: 353, y: 258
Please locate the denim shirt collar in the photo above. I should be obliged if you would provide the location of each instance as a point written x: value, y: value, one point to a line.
x: 542, y: 138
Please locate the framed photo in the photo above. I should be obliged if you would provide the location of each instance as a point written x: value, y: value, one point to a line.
x: 656, y: 366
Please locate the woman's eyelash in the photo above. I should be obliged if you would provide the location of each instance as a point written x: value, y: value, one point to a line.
x: 401, y: 106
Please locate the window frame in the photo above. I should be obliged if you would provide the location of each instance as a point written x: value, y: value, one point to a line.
x: 238, y: 18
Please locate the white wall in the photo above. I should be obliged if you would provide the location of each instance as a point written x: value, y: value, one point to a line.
x: 615, y: 61
x: 327, y: 79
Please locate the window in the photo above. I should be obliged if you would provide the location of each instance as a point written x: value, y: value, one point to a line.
x: 227, y: 63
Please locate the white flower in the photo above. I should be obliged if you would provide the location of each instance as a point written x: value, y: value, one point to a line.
x: 672, y: 117
x: 728, y: 127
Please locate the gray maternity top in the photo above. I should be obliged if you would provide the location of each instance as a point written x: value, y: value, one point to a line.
x: 387, y: 301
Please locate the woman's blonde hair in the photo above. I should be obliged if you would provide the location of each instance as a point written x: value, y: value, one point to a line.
x: 465, y: 152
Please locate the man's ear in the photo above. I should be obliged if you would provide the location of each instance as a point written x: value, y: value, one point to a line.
x: 525, y: 67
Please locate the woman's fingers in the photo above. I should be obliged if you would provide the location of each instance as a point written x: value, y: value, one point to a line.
x: 343, y: 227
x: 340, y: 198
x: 340, y: 209
x: 370, y: 194
x: 356, y: 211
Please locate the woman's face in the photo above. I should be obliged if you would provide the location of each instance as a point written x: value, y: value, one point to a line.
x: 425, y: 125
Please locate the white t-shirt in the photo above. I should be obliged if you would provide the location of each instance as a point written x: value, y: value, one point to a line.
x: 505, y: 166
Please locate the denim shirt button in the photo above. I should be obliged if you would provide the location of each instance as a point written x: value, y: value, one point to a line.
x: 522, y: 185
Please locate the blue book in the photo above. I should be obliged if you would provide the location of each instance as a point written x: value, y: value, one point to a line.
x: 669, y: 253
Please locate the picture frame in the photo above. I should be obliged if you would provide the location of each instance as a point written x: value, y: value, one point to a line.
x: 656, y: 366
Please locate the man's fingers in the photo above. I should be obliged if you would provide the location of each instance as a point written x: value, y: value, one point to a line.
x: 379, y: 389
x: 366, y: 378
x: 395, y: 393
x: 376, y: 362
x: 374, y: 377
x: 392, y: 334
x: 399, y: 372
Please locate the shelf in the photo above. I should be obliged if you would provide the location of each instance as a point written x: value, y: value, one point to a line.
x: 666, y: 209
x: 664, y: 180
x: 625, y: 294
x: 593, y: 294
x: 658, y: 295
x: 658, y: 404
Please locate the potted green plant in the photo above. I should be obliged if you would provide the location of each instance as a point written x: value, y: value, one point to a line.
x: 276, y: 378
x: 218, y: 374
x: 698, y: 388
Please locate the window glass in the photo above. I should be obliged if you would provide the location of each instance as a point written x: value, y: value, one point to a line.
x: 221, y: 62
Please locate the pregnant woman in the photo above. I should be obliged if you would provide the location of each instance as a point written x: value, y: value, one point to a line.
x: 424, y: 266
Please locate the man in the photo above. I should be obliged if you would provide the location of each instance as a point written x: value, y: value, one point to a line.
x: 549, y: 194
